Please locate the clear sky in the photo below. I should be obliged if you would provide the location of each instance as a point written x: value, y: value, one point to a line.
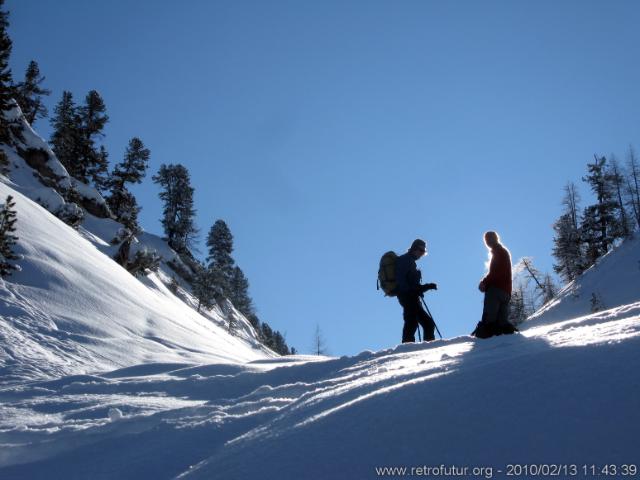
x: 328, y: 132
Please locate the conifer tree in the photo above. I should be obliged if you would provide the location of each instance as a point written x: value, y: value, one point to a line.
x: 517, y: 308
x: 602, y: 213
x: 98, y: 169
x: 266, y: 335
x: 29, y: 94
x: 590, y: 235
x: 178, y: 212
x: 550, y: 289
x: 93, y: 114
x: 132, y: 169
x: 319, y: 343
x: 134, y: 166
x: 220, y: 244
x: 66, y: 138
x: 124, y: 206
x: 204, y: 288
x: 8, y: 218
x: 280, y: 344
x: 239, y: 292
x: 93, y: 160
x: 633, y: 185
x: 567, y: 240
x: 616, y: 179
x: 6, y: 89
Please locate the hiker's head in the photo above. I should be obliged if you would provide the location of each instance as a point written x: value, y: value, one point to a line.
x: 491, y: 239
x: 418, y: 248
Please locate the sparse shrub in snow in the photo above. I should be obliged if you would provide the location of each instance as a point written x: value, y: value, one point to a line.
x: 71, y: 214
x: 121, y: 235
x: 173, y: 285
x: 144, y: 262
x: 597, y: 304
x: 8, y: 218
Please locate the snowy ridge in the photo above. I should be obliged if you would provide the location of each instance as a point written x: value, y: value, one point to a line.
x: 563, y: 391
x: 613, y: 281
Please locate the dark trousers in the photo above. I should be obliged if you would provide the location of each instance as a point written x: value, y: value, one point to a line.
x: 414, y: 315
x: 496, y: 307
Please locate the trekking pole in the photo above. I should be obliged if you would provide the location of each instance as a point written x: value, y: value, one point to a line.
x: 434, y: 322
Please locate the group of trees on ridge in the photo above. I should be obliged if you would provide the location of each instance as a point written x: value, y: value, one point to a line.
x: 583, y: 236
x: 78, y: 131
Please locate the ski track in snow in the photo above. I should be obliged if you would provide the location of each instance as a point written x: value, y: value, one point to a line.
x: 457, y: 401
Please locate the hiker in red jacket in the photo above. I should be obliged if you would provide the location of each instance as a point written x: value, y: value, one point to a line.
x: 496, y: 286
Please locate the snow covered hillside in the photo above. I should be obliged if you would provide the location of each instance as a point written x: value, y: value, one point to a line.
x: 565, y: 391
x: 72, y: 309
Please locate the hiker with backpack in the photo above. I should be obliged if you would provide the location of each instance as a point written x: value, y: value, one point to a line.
x: 496, y: 286
x: 399, y: 276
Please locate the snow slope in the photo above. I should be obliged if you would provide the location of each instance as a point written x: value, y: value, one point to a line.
x: 613, y: 281
x: 565, y: 391
x: 72, y: 309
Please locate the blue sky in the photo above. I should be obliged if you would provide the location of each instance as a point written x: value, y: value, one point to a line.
x: 326, y: 133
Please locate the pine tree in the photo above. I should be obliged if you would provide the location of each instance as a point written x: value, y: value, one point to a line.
x: 66, y: 139
x: 132, y: 169
x: 29, y: 94
x: 266, y: 335
x: 616, y: 179
x: 6, y: 82
x: 124, y: 206
x: 178, y: 212
x: 134, y: 166
x: 94, y: 161
x: 93, y: 114
x: 517, y: 311
x: 603, y: 212
x: 319, y: 343
x: 239, y: 292
x: 280, y: 344
x: 98, y: 169
x: 590, y: 235
x: 204, y: 288
x: 550, y: 289
x: 567, y: 240
x: 8, y: 218
x: 633, y: 185
x: 220, y: 243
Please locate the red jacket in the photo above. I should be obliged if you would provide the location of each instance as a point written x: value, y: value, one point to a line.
x: 499, y: 269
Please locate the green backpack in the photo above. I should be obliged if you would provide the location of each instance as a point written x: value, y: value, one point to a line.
x: 387, y: 274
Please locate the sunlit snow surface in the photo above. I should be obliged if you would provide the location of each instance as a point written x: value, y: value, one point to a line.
x: 562, y: 392
x: 104, y: 376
